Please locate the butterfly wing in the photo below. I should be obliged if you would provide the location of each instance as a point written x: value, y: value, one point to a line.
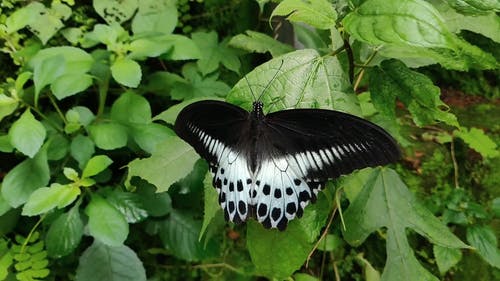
x: 306, y: 147
x: 210, y: 127
x: 215, y: 130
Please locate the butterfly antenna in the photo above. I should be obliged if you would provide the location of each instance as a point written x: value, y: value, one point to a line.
x: 250, y: 87
x: 268, y: 84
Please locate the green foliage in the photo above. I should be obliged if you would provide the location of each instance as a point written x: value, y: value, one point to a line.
x: 95, y: 178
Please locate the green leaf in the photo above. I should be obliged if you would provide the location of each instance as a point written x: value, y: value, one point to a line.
x: 131, y: 108
x: 213, y: 53
x: 24, y: 16
x: 101, y: 262
x: 51, y: 63
x: 183, y: 48
x: 71, y: 174
x: 483, y: 239
x: 5, y: 145
x: 446, y: 258
x: 45, y: 199
x: 115, y: 11
x: 479, y: 141
x: 4, y: 206
x: 211, y: 205
x: 156, y: 204
x: 196, y: 86
x: 58, y: 147
x: 155, y: 17
x: 129, y: 204
x: 25, y: 178
x: 110, y: 35
x: 106, y: 223
x: 304, y: 277
x: 486, y: 24
x: 171, y: 161
x: 394, y: 80
x: 64, y: 234
x: 70, y: 84
x: 170, y: 115
x: 6, y: 260
x: 126, y: 72
x: 151, y: 46
x: 43, y: 22
x: 96, y: 165
x: 385, y: 201
x: 304, y: 79
x: 149, y: 136
x: 82, y: 148
x: 260, y: 43
x: 7, y: 106
x: 27, y: 134
x: 370, y: 273
x: 108, y: 136
x: 413, y: 29
x: 331, y: 242
x: 317, y: 13
x: 179, y: 233
x: 475, y: 7
x: 277, y: 254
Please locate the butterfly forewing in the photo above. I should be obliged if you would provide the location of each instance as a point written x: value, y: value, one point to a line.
x: 271, y: 167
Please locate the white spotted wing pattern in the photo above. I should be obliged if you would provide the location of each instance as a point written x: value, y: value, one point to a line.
x: 269, y: 167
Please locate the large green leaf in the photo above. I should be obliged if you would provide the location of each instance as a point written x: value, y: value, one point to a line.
x: 475, y: 7
x: 316, y: 13
x: 394, y: 80
x: 278, y: 254
x: 101, y: 262
x: 108, y: 135
x: 129, y: 204
x: 115, y: 11
x: 155, y: 16
x: 171, y: 161
x: 446, y: 257
x: 149, y: 136
x: 25, y: 178
x: 130, y: 108
x: 413, y: 29
x: 64, y: 234
x: 483, y: 239
x: 106, y: 223
x: 27, y: 134
x: 179, y: 233
x: 42, y: 21
x: 82, y: 149
x: 385, y: 201
x: 258, y: 42
x: 213, y: 53
x: 170, y: 114
x: 51, y: 63
x: 303, y: 79
x: 126, y: 72
x: 45, y: 199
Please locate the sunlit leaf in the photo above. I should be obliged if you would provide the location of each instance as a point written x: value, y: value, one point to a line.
x: 27, y: 134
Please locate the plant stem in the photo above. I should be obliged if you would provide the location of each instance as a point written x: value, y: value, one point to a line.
x: 26, y: 241
x: 455, y: 165
x: 362, y: 71
x: 54, y: 103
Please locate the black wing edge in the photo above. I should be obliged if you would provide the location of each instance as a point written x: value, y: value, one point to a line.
x: 220, y: 120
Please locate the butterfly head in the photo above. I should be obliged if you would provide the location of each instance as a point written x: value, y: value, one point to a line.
x: 257, y: 110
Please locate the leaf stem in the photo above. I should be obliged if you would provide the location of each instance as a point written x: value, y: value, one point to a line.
x: 26, y: 241
x: 54, y: 104
x: 455, y: 165
x: 363, y: 69
x: 54, y: 125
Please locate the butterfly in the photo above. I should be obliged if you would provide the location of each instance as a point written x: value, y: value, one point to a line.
x: 270, y: 167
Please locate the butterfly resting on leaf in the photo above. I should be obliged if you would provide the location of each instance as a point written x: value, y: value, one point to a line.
x: 270, y: 167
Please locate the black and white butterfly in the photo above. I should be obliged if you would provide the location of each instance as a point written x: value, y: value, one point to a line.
x: 270, y: 167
